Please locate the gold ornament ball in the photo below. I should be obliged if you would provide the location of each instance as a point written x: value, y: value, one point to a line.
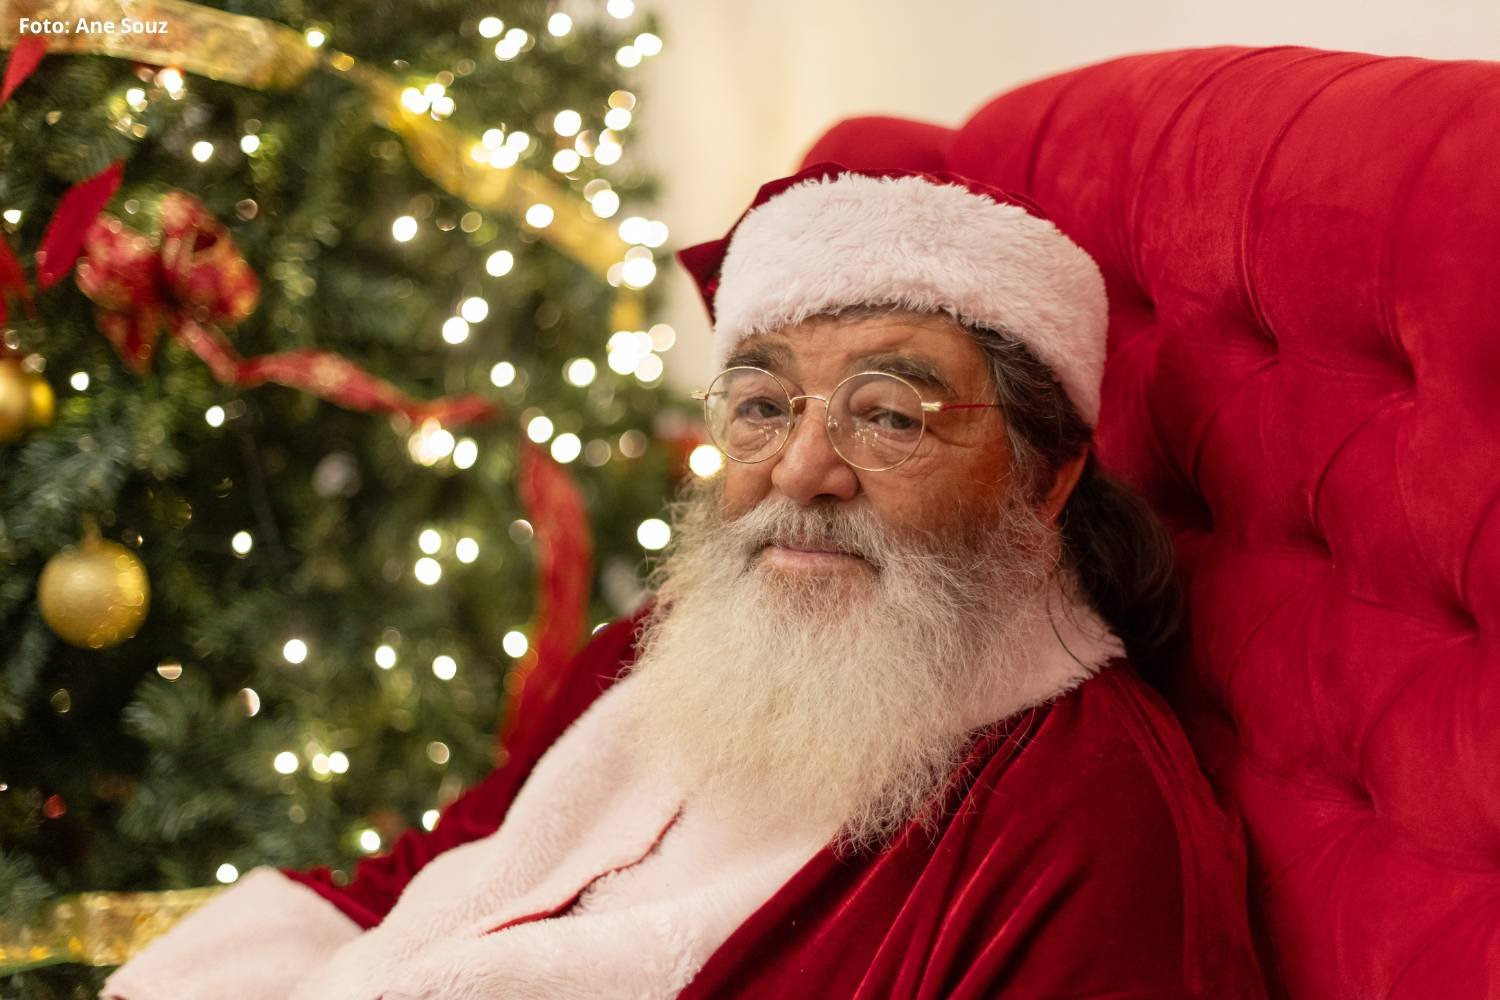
x: 94, y: 594
x: 15, y: 399
x: 43, y: 402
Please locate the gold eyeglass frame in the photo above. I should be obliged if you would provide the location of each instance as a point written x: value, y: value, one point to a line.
x: 927, y: 407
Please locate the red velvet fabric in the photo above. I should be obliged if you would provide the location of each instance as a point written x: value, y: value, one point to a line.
x: 1082, y: 856
x: 1302, y: 250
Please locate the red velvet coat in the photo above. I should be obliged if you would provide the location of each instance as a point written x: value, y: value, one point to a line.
x: 1083, y: 857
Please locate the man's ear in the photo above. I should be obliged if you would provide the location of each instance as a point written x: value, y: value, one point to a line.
x: 1067, y: 477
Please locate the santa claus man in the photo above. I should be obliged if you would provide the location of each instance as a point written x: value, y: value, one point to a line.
x: 877, y: 734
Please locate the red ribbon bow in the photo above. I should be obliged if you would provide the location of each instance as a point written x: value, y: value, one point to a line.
x: 192, y: 280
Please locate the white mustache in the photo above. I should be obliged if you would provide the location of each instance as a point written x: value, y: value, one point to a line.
x: 854, y: 531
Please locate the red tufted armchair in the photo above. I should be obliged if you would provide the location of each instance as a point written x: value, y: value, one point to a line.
x: 1302, y: 250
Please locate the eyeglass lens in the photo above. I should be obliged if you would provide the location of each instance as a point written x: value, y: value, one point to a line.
x: 874, y: 420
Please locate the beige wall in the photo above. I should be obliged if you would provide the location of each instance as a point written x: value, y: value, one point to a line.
x: 742, y: 88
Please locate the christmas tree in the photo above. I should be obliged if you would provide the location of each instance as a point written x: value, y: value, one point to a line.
x: 328, y: 404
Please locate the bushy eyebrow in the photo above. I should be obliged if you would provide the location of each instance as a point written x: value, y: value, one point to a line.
x: 772, y: 356
x: 913, y: 369
x: 775, y: 356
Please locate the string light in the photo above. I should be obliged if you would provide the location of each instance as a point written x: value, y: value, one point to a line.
x: 203, y: 150
x: 500, y: 263
x: 214, y: 416
x: 430, y: 444
x: 490, y: 27
x: 559, y: 24
x: 445, y: 667
x: 249, y: 144
x: 662, y: 337
x: 338, y: 762
x: 638, y: 272
x: 315, y: 37
x: 608, y: 153
x: 565, y: 161
x: 294, y: 651
x: 286, y: 762
x: 647, y: 44
x: 437, y: 752
x: 653, y: 534
x: 429, y: 819
x: 430, y: 541
x: 242, y: 543
x: 79, y: 380
x: 511, y: 45
x: 566, y: 447
x: 649, y: 369
x: 428, y: 571
x: 617, y: 118
x: 605, y: 204
x: 632, y: 443
x: 625, y: 352
x: 567, y: 122
x: 385, y: 656
x: 620, y: 8
x: 227, y: 873
x: 413, y: 101
x: 369, y: 841
x: 656, y: 234
x: 404, y: 228
x: 539, y: 216
x: 503, y: 374
x: 633, y: 229
x: 169, y: 670
x: 629, y: 56
x: 455, y: 330
x: 465, y: 453
x: 136, y: 98
x: 579, y: 371
x: 597, y: 452
x: 170, y: 80
x: 539, y: 429
x: 514, y: 643
x: 466, y: 549
x: 705, y: 460
x: 474, y: 309
x: 249, y: 702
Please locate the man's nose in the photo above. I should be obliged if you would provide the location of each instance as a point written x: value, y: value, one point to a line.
x: 808, y: 469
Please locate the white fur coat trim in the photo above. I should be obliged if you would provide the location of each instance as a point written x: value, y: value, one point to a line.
x: 905, y: 242
x: 254, y: 941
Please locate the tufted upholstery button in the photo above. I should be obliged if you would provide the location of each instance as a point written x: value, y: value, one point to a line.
x: 1300, y: 253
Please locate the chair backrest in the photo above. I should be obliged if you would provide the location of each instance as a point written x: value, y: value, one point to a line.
x: 1302, y: 250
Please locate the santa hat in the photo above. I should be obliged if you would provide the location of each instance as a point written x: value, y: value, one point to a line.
x: 832, y: 237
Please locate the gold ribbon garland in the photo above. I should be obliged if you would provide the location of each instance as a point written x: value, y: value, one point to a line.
x: 97, y: 928
x: 106, y: 928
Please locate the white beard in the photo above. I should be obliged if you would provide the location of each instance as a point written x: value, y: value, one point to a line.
x: 794, y: 698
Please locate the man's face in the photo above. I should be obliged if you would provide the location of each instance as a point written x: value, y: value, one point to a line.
x: 958, y: 473
x: 824, y: 638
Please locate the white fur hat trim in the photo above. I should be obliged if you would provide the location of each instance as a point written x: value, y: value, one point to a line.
x: 909, y: 243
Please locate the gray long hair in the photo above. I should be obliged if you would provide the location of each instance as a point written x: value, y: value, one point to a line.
x: 1120, y: 552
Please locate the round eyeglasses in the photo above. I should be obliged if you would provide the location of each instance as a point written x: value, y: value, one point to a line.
x: 874, y: 420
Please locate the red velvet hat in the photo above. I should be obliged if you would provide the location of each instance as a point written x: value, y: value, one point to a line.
x: 831, y: 237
